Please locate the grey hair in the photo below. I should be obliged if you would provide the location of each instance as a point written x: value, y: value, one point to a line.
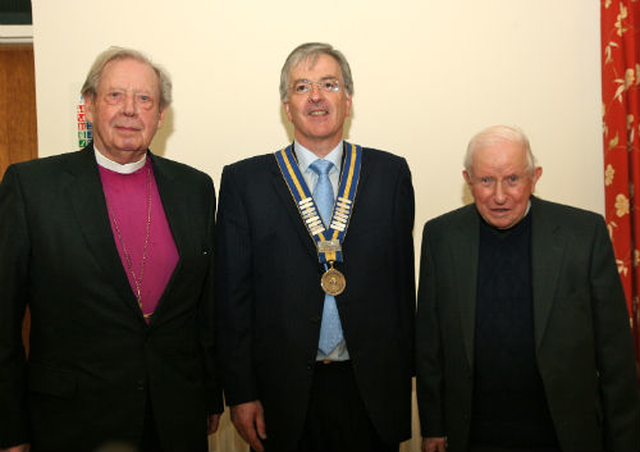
x: 494, y: 134
x: 311, y: 51
x: 90, y: 86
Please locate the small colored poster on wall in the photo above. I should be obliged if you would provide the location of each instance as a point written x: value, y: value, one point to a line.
x: 84, y: 126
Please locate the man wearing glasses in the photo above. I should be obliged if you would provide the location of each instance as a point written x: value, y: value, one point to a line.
x: 316, y: 278
x: 111, y: 248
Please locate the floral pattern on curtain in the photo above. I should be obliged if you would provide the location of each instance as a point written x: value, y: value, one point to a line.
x: 620, y: 33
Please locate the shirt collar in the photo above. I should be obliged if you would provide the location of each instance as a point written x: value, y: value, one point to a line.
x: 306, y: 157
x: 109, y: 164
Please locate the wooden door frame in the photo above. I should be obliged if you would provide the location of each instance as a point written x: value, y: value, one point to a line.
x: 18, y: 123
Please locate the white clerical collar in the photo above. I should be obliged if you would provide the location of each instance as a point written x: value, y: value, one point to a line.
x: 109, y: 164
x: 306, y: 157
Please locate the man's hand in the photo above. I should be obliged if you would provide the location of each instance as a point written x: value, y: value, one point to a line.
x: 19, y: 448
x: 437, y: 444
x: 213, y: 421
x: 248, y: 418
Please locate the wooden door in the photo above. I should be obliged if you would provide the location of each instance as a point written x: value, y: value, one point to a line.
x: 18, y: 128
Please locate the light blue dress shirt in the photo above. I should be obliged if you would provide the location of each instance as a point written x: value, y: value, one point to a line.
x: 306, y: 158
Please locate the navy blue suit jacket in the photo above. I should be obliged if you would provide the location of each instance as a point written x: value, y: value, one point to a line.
x: 270, y: 299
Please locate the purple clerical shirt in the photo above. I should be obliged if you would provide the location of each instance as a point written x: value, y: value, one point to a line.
x: 127, y: 201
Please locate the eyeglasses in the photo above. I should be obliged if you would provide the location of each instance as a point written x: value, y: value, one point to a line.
x: 330, y: 85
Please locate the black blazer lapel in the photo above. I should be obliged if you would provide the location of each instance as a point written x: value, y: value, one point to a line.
x: 177, y: 214
x: 547, y: 254
x: 465, y: 261
x: 89, y: 207
x: 286, y: 198
x: 170, y: 190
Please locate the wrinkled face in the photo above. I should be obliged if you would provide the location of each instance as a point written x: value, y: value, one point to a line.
x: 500, y: 184
x: 125, y: 111
x: 319, y: 114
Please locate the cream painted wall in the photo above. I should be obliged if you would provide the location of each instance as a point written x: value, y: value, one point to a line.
x: 428, y: 75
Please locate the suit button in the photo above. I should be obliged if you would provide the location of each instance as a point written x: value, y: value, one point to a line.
x: 309, y: 365
x: 140, y: 385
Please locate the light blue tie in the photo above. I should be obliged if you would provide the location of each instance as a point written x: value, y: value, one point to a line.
x: 330, y: 329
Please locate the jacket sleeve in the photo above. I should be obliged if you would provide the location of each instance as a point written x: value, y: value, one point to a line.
x: 429, y: 360
x: 207, y: 322
x: 404, y: 216
x: 14, y: 254
x: 614, y: 347
x: 234, y: 290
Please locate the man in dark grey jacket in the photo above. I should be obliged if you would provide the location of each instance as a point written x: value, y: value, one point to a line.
x: 523, y: 338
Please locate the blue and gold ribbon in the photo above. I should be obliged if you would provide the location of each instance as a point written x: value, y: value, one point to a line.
x: 328, y: 240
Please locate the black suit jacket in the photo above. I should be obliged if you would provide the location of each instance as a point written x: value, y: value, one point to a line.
x: 583, y: 343
x: 93, y: 359
x: 270, y: 300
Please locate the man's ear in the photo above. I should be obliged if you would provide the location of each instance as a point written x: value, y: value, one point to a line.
x: 286, y: 109
x: 467, y: 177
x: 161, y: 117
x: 89, y: 102
x: 537, y: 172
x: 349, y: 102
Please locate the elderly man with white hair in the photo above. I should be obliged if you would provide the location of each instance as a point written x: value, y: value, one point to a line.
x: 111, y: 248
x: 522, y: 338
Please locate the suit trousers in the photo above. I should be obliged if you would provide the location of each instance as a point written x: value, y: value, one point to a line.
x: 337, y: 418
x: 149, y: 439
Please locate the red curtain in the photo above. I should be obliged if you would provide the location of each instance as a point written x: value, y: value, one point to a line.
x: 620, y: 43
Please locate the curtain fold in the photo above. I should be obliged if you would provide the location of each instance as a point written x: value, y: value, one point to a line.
x: 620, y: 37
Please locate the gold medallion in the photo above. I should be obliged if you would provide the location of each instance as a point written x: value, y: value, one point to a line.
x: 333, y: 282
